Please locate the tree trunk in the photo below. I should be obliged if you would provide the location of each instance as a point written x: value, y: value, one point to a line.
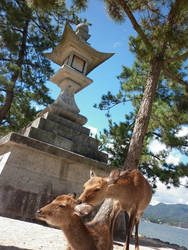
x: 143, y: 117
x: 116, y: 220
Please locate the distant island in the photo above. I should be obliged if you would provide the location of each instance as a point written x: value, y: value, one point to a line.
x: 172, y: 214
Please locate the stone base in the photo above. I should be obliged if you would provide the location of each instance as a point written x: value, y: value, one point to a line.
x: 34, y: 172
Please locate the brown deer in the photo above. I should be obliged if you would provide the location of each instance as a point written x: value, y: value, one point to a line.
x: 94, y: 235
x: 129, y: 187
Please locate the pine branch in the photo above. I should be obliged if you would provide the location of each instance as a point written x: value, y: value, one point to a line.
x: 158, y: 135
x: 174, y: 59
x: 5, y: 59
x: 135, y: 24
x: 153, y: 10
x: 154, y: 156
x: 118, y: 102
x: 43, y: 29
x: 2, y: 89
x: 174, y: 77
x: 173, y: 12
x: 171, y: 20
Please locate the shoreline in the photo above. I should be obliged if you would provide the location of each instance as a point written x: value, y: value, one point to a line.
x: 149, y: 221
x: 21, y: 235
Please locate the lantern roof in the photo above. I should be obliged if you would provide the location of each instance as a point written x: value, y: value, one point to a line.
x: 73, y: 43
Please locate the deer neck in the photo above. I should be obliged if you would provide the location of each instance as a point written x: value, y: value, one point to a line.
x: 78, y: 235
x: 113, y: 191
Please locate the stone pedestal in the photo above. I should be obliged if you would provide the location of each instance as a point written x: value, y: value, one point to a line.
x: 35, y: 172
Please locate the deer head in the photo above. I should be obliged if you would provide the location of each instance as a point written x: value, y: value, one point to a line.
x: 59, y: 211
x: 96, y: 188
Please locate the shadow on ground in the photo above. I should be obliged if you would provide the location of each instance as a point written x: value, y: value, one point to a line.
x: 12, y: 248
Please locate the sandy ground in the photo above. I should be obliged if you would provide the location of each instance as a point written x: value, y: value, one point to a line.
x: 19, y: 235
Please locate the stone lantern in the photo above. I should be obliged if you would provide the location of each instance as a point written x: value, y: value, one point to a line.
x: 76, y: 58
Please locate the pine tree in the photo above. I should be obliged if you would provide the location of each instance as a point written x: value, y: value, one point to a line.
x: 24, y: 35
x: 161, y: 42
x: 169, y: 114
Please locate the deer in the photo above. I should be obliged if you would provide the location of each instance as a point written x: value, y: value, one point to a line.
x: 129, y: 187
x: 95, y: 235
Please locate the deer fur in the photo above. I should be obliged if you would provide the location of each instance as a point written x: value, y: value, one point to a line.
x: 94, y: 235
x: 129, y: 187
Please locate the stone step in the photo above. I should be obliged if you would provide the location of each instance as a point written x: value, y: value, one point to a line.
x: 86, y: 147
x: 66, y: 132
x: 49, y: 138
x: 65, y: 122
x: 89, y: 152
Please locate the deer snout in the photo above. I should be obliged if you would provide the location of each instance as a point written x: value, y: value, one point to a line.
x: 38, y: 212
x: 78, y: 202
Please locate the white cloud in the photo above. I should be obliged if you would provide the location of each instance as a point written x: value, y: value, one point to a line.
x: 37, y: 107
x: 173, y: 158
x: 116, y: 45
x: 183, y: 132
x: 93, y: 131
x: 156, y: 146
x: 172, y: 195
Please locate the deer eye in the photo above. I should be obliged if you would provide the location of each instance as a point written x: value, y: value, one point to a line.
x: 62, y: 206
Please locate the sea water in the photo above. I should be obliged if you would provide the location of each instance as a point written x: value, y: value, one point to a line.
x: 164, y: 232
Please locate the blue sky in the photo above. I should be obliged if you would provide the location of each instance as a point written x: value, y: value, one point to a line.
x: 107, y: 36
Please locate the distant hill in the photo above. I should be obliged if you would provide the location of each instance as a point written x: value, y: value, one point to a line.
x: 173, y: 214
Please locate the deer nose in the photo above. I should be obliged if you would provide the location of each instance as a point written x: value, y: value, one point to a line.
x: 78, y: 202
x: 38, y: 212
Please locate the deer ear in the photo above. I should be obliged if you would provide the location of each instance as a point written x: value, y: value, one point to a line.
x: 114, y: 176
x: 73, y: 195
x: 92, y: 173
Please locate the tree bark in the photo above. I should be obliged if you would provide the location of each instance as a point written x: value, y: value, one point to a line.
x: 116, y: 220
x: 143, y: 117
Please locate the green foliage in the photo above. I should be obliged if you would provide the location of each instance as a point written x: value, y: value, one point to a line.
x: 43, y: 4
x: 115, y: 141
x: 24, y: 36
